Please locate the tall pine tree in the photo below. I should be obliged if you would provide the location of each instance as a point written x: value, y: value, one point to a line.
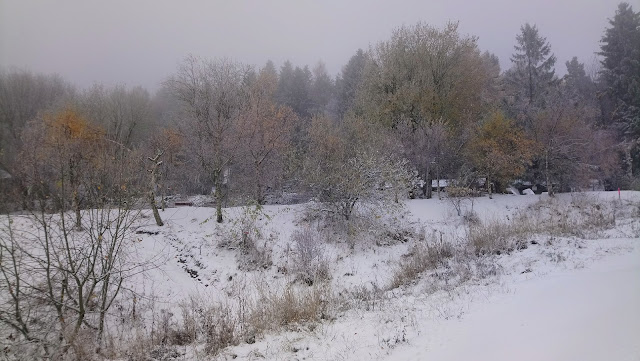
x: 349, y: 81
x: 621, y: 69
x: 322, y: 89
x: 532, y: 74
x: 284, y: 94
x: 294, y: 87
x: 580, y: 87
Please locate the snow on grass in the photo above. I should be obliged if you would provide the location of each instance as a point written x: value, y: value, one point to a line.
x: 535, y: 300
x: 406, y: 323
x: 373, y: 330
x: 588, y: 314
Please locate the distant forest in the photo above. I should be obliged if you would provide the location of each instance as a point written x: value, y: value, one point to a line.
x: 423, y: 105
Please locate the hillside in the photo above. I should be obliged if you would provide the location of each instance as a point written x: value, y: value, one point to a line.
x: 370, y: 305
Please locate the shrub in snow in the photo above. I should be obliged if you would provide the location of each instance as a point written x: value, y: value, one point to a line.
x: 349, y: 164
x: 309, y: 260
x: 422, y: 257
x: 459, y: 196
x: 471, y: 217
x: 245, y: 233
x: 274, y: 308
x: 220, y: 329
x: 498, y: 237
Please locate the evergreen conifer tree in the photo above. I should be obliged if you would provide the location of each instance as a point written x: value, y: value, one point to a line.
x: 621, y: 69
x: 532, y: 74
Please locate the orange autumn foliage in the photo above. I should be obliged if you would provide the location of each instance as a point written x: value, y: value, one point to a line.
x: 68, y: 125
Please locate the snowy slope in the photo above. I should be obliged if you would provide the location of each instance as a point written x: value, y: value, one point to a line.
x: 587, y: 314
x: 562, y: 298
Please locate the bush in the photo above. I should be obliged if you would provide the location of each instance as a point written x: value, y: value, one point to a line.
x: 245, y: 233
x: 274, y: 310
x: 248, y: 313
x: 457, y: 197
x: 309, y: 261
x: 459, y: 192
x: 220, y: 327
x: 363, y: 297
x: 351, y: 163
x: 498, y: 237
x: 420, y: 258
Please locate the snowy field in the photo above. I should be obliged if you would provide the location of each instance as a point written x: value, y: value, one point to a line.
x: 587, y: 314
x: 564, y: 284
x: 564, y: 297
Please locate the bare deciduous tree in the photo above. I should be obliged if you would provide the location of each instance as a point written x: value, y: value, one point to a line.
x: 564, y: 139
x: 125, y: 114
x: 213, y: 94
x: 58, y: 283
x: 266, y: 130
x: 23, y: 95
x: 153, y: 184
x: 64, y: 145
x: 347, y: 165
x: 426, y: 146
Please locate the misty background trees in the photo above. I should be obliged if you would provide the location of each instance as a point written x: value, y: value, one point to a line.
x: 250, y: 134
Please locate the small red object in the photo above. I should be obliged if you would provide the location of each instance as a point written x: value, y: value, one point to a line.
x: 618, y: 192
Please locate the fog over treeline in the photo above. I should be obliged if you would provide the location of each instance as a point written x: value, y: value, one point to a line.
x: 426, y: 103
x: 141, y: 43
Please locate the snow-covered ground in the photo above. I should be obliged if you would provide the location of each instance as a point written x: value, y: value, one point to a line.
x: 586, y: 314
x: 571, y: 292
x: 561, y: 298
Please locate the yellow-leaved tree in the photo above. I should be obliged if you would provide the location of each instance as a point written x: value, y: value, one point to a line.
x: 500, y: 150
x: 70, y: 143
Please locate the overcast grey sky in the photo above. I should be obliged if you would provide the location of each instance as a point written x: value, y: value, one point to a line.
x: 140, y: 42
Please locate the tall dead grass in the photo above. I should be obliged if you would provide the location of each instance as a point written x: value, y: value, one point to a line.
x: 582, y: 216
x: 248, y: 314
x: 421, y: 257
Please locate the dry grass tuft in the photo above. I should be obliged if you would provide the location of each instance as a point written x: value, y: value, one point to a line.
x: 498, y: 237
x: 422, y: 257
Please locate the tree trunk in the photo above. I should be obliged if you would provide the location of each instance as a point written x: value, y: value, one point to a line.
x: 75, y: 200
x: 259, y: 195
x: 348, y: 209
x: 156, y: 214
x: 628, y: 159
x: 218, y: 196
x: 101, y: 321
x: 153, y: 186
x: 163, y: 203
x: 427, y: 192
x: 438, y: 184
x: 546, y: 171
x: 489, y: 187
x: 76, y: 208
